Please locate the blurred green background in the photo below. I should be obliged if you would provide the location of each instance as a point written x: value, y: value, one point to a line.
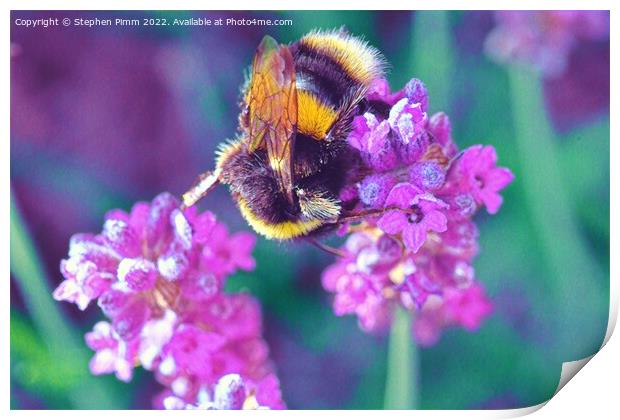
x: 103, y: 117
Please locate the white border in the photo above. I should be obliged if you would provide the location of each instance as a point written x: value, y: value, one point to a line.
x: 594, y: 393
x: 315, y: 5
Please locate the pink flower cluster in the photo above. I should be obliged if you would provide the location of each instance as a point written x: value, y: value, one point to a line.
x: 229, y: 393
x: 417, y: 240
x: 544, y: 39
x: 158, y: 274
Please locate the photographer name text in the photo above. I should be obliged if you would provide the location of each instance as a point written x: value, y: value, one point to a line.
x: 151, y: 21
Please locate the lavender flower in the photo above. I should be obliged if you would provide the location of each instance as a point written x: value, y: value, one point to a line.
x: 158, y: 274
x: 463, y: 307
x: 417, y: 250
x: 229, y: 393
x: 427, y: 175
x: 544, y: 39
x: 407, y: 119
x: 418, y: 213
x: 360, y: 279
x: 374, y: 189
x: 475, y: 173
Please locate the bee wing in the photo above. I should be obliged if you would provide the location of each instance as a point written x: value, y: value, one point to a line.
x: 272, y: 106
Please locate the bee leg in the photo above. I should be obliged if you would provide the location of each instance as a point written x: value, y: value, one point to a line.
x: 318, y: 204
x: 203, y: 185
x: 323, y: 247
x: 362, y: 214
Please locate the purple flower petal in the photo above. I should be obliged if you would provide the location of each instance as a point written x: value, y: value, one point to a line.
x: 436, y: 221
x: 402, y: 195
x: 416, y: 92
x: 129, y: 321
x: 414, y: 236
x: 374, y: 189
x: 139, y: 274
x: 182, y: 229
x: 158, y: 227
x: 119, y: 236
x: 408, y: 120
x: 392, y: 222
x: 229, y: 393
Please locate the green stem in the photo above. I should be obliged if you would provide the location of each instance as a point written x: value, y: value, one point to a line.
x: 62, y: 343
x: 401, y: 385
x: 574, y: 277
x: 432, y: 60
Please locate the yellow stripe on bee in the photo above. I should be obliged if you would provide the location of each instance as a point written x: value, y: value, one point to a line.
x: 314, y: 118
x: 361, y: 61
x: 282, y: 230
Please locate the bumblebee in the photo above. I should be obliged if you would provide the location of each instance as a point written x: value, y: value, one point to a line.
x: 291, y: 159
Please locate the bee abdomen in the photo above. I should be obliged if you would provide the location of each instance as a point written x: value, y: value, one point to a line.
x: 333, y: 65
